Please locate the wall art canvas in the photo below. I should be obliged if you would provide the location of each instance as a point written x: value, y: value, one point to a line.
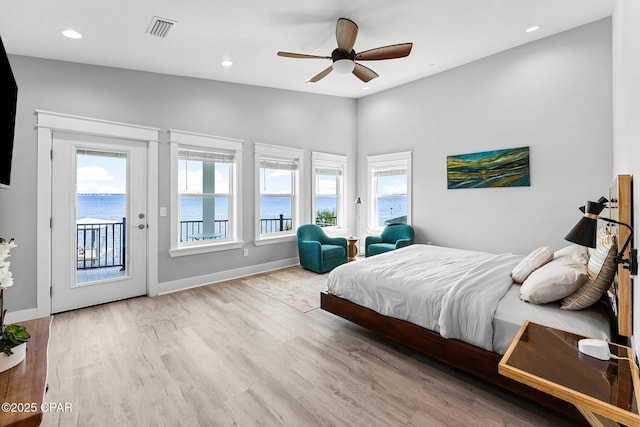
x: 497, y: 168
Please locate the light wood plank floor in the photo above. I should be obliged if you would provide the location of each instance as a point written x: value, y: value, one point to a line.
x: 228, y: 355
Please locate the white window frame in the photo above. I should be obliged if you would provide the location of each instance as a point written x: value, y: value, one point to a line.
x: 286, y: 154
x: 402, y: 159
x: 331, y: 161
x: 47, y: 123
x: 201, y: 142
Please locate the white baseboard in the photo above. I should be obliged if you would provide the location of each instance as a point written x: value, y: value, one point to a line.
x: 177, y: 285
x: 207, y: 279
x: 21, y: 316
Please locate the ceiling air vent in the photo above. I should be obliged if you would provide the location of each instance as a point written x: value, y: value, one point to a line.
x: 160, y: 27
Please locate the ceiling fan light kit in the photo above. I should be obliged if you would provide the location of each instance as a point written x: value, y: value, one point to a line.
x: 344, y: 66
x: 344, y: 56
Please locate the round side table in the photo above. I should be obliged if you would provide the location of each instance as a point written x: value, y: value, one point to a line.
x: 352, y: 248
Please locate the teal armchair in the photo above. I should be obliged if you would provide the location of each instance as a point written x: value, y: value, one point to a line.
x: 319, y: 252
x: 393, y: 237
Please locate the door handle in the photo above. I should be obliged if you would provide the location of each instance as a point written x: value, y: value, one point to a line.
x: 141, y: 226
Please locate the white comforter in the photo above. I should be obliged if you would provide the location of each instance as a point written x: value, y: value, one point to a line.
x: 451, y: 291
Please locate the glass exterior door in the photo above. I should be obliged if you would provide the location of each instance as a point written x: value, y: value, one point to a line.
x: 98, y: 221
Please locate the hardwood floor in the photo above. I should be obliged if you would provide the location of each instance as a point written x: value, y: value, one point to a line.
x: 226, y: 354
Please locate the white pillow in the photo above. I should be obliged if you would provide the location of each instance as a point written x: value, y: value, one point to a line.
x: 573, y: 254
x: 531, y: 262
x: 553, y: 281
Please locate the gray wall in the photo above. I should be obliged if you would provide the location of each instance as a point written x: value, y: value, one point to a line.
x: 553, y: 95
x: 250, y: 113
x: 626, y: 109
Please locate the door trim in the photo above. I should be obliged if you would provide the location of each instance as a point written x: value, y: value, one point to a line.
x: 47, y: 123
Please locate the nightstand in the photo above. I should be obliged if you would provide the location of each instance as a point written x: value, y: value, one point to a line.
x: 22, y: 387
x: 545, y: 358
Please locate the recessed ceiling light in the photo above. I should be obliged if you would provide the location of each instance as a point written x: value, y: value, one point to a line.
x: 532, y: 29
x: 226, y: 63
x: 69, y: 33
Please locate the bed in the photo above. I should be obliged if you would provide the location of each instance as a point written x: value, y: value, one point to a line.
x: 469, y: 325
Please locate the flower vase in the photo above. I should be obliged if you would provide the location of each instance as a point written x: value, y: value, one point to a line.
x: 8, y: 362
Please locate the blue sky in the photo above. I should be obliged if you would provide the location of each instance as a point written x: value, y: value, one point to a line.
x: 392, y: 185
x: 107, y: 175
x: 101, y: 174
x: 190, y: 177
x: 326, y: 185
x: 274, y: 181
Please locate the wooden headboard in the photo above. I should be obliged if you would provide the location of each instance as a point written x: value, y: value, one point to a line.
x: 621, y: 208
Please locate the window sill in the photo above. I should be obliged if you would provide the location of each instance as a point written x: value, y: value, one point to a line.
x: 275, y: 239
x: 204, y: 248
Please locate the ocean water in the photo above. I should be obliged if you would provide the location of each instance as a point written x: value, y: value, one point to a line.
x: 113, y: 207
x: 390, y: 208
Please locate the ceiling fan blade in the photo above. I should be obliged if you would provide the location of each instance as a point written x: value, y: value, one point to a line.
x: 320, y: 75
x: 301, y: 55
x: 346, y: 33
x: 363, y: 73
x: 386, y: 52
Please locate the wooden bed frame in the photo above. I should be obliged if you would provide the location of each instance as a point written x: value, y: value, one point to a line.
x: 474, y: 360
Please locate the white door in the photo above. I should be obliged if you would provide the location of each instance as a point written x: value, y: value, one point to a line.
x: 99, y: 224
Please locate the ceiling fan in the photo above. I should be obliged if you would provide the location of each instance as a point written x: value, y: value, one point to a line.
x: 344, y: 56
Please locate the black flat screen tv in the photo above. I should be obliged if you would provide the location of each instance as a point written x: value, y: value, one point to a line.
x: 8, y: 101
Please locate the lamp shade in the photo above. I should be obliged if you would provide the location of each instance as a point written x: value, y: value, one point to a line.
x: 602, y: 201
x: 584, y: 232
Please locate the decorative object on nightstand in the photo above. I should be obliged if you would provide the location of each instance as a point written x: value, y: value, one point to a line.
x: 13, y: 338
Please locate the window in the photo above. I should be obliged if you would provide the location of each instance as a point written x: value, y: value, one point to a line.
x: 204, y: 192
x: 278, y: 194
x: 205, y: 205
x: 389, y: 178
x: 329, y: 183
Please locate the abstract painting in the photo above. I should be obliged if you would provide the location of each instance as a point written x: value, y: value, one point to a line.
x: 497, y: 168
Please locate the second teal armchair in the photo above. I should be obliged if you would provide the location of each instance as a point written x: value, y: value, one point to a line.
x: 393, y: 237
x: 319, y: 252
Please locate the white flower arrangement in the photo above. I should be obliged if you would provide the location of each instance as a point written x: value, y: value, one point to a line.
x: 6, y: 278
x: 11, y: 335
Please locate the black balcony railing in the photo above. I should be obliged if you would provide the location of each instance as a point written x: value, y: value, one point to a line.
x: 194, y: 230
x: 101, y: 245
x: 274, y: 225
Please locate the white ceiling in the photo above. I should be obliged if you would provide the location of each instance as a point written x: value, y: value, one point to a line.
x: 445, y: 34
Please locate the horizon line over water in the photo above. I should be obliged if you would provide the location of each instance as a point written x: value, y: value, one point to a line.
x: 112, y: 207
